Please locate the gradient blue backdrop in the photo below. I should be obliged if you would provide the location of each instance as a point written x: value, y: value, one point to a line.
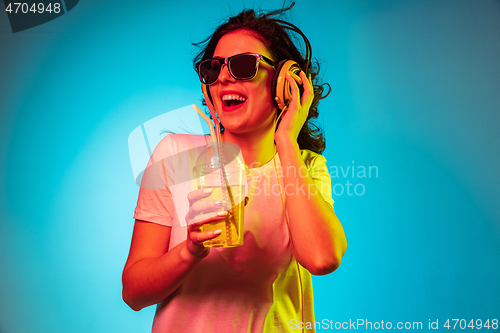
x: 414, y: 92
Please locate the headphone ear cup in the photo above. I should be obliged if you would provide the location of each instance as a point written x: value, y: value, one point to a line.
x: 274, y: 86
x: 280, y: 88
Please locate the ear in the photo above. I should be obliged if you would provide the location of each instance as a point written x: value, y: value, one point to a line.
x: 280, y: 88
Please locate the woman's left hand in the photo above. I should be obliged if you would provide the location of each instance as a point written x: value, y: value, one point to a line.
x: 296, y: 114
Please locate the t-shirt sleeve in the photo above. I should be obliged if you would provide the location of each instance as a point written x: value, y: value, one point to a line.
x: 155, y: 203
x: 319, y: 172
x: 168, y: 179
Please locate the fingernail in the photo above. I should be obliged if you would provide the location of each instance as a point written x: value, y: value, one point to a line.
x: 217, y: 232
x: 207, y: 190
x: 220, y: 203
x: 221, y: 213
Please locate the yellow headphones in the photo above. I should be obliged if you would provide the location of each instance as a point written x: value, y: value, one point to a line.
x: 280, y: 88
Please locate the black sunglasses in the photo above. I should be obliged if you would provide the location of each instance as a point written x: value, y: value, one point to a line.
x: 241, y: 67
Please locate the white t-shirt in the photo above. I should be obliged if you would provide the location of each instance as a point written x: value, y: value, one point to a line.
x: 251, y: 288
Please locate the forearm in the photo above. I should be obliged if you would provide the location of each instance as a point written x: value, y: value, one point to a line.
x: 317, y: 234
x: 150, y: 281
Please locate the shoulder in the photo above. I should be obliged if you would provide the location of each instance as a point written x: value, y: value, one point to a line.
x: 312, y: 159
x: 317, y: 169
x: 182, y: 141
x: 176, y: 143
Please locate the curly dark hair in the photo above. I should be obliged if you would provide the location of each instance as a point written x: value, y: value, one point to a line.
x: 274, y: 34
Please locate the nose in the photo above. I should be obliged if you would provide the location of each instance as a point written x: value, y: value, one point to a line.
x: 224, y: 75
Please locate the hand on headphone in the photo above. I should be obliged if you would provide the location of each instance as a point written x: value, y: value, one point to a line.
x: 294, y: 117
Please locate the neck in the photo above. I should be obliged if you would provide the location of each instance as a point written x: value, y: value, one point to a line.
x: 256, y: 148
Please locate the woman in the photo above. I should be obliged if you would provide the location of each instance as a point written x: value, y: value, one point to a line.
x: 259, y: 286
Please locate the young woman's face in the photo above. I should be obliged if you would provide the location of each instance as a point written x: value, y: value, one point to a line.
x: 256, y: 112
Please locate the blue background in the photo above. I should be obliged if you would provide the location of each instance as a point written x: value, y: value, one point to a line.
x: 414, y: 92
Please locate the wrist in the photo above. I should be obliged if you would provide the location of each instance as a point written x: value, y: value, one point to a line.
x: 191, y: 257
x: 286, y: 142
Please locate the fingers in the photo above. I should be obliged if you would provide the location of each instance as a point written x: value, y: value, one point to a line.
x: 196, y: 237
x: 200, y: 237
x: 308, y: 94
x: 308, y: 89
x: 197, y: 206
x: 201, y: 219
x: 199, y: 194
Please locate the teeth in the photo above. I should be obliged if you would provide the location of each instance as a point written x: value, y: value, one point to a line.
x: 233, y: 97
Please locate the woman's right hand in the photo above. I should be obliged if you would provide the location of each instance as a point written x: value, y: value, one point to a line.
x: 153, y: 272
x: 202, y: 212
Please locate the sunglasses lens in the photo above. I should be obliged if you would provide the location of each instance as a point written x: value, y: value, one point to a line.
x: 209, y: 71
x: 243, y: 66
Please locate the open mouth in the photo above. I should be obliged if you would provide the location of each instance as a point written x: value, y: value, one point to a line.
x: 233, y: 100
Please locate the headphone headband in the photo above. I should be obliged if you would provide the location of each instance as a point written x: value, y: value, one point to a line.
x: 280, y: 88
x: 286, y: 25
